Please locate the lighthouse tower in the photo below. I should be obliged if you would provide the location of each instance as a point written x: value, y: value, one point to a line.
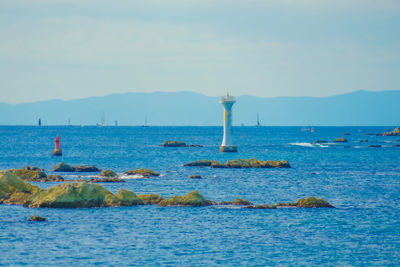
x: 227, y: 145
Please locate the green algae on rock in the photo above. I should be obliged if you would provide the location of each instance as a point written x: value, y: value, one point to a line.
x: 202, y: 163
x: 143, y: 172
x: 192, y: 199
x: 150, y: 199
x: 237, y: 201
x: 106, y: 180
x: 340, y: 140
x: 128, y: 198
x: 63, y: 167
x: 240, y: 163
x: 310, y: 202
x: 36, y: 218
x: 14, y: 190
x: 108, y: 173
x: 262, y: 206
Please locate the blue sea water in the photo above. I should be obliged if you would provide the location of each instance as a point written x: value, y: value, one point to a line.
x: 362, y: 182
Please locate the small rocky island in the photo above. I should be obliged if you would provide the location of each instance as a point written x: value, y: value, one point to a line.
x: 340, y: 140
x: 395, y: 132
x: 63, y: 167
x: 16, y: 191
x: 175, y: 143
x: 240, y: 163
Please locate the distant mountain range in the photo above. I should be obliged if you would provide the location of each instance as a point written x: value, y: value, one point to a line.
x: 187, y: 108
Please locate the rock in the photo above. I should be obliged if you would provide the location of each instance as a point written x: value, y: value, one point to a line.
x: 169, y: 143
x: 36, y: 218
x: 262, y: 206
x: 364, y: 141
x: 144, y: 172
x: 195, y: 145
x: 32, y: 168
x: 63, y: 167
x: 395, y: 132
x: 150, y: 199
x: 108, y: 173
x: 310, y: 202
x: 202, y: 163
x: 237, y: 201
x: 396, y: 145
x: 53, y: 178
x: 14, y: 190
x: 320, y: 141
x: 374, y: 146
x: 194, y: 177
x: 30, y: 175
x: 84, y: 168
x: 192, y: 199
x: 346, y: 134
x: 217, y: 165
x: 128, y: 198
x: 255, y: 163
x: 106, y: 180
x: 57, y: 152
x: 76, y: 195
x: 340, y: 140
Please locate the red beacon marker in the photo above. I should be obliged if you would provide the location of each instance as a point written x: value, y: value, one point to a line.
x: 57, y: 151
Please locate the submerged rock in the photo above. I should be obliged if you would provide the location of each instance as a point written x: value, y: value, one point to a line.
x: 340, y: 140
x: 106, y: 180
x: 202, y: 163
x: 174, y: 143
x: 374, y: 146
x: 364, y: 141
x: 194, y: 177
x: 36, y: 218
x: 150, y: 199
x: 108, y: 173
x: 320, y: 141
x: 237, y: 201
x: 192, y: 199
x: 310, y: 202
x: 144, y: 172
x: 84, y: 168
x: 262, y: 206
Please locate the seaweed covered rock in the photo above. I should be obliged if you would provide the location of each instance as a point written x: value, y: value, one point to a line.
x: 84, y: 168
x: 14, y: 190
x: 395, y: 132
x: 192, y: 199
x: 174, y: 143
x: 108, y: 173
x: 217, y: 165
x: 36, y: 218
x: 310, y: 202
x: 340, y: 140
x: 144, y: 172
x: 74, y: 195
x: 255, y: 163
x: 150, y: 199
x: 262, y: 206
x: 237, y: 201
x: 128, y: 198
x: 202, y: 163
x: 63, y: 167
x: 29, y: 175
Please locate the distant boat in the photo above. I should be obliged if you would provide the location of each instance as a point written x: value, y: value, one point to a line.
x: 145, y: 122
x: 103, y: 120
x: 258, y: 120
x: 69, y: 122
x: 310, y: 129
x: 40, y: 122
x: 116, y: 123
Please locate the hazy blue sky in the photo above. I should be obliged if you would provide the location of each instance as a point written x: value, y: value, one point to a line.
x: 72, y: 49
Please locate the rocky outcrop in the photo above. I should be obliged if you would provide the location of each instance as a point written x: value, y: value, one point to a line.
x: 15, y: 190
x: 106, y: 180
x: 321, y: 141
x: 310, y: 202
x: 151, y: 199
x: 237, y: 201
x: 32, y: 168
x: 57, y: 152
x: 175, y: 143
x: 36, y: 218
x: 143, y: 172
x: 340, y: 140
x: 192, y: 199
x: 63, y: 167
x: 34, y: 174
x: 108, y: 173
x: 241, y: 163
x: 262, y: 206
x: 128, y: 198
x: 395, y: 132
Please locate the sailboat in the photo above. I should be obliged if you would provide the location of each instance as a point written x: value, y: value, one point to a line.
x: 40, y: 122
x: 258, y: 121
x: 145, y: 122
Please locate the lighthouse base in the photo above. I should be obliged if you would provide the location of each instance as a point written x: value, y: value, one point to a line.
x: 228, y: 148
x: 57, y: 152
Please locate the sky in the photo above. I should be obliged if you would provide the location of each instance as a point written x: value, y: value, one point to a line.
x: 59, y: 49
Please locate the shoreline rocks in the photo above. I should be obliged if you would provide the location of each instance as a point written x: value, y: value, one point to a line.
x: 310, y: 202
x: 108, y: 173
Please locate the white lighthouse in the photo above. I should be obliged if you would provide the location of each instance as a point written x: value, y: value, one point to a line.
x: 227, y: 145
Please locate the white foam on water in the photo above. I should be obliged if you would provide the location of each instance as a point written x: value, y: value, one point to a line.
x: 304, y: 144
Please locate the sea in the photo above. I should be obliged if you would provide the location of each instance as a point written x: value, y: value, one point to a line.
x: 362, y: 182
